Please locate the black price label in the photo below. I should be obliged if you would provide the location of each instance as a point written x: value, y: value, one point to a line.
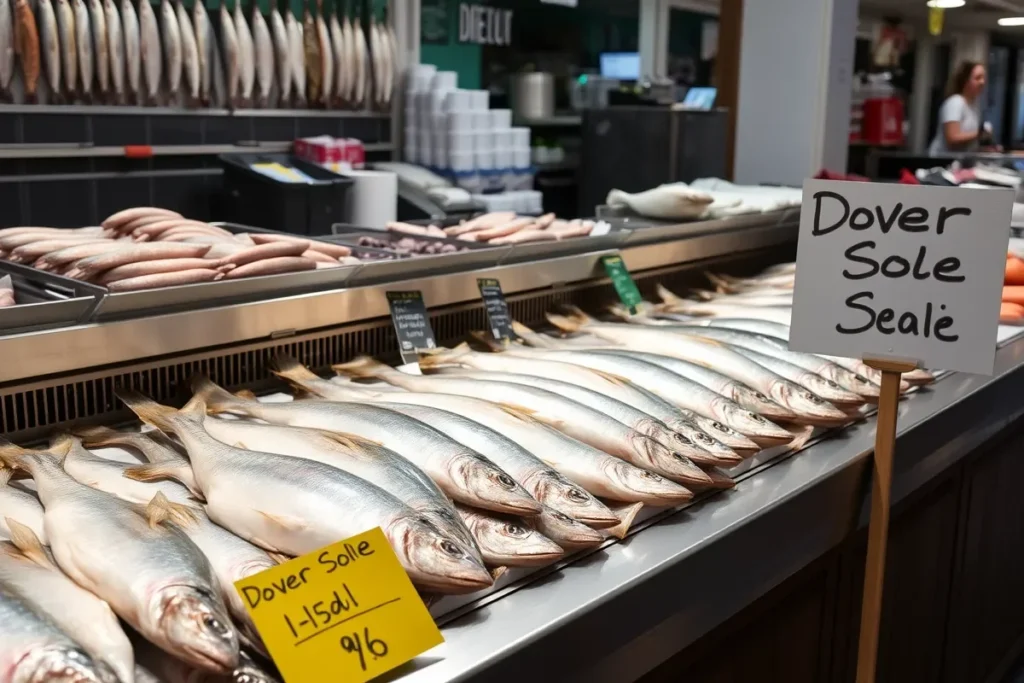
x: 497, y: 309
x: 622, y: 281
x: 412, y: 324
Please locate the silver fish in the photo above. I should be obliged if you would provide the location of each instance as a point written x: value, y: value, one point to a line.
x: 808, y: 407
x: 246, y: 56
x: 153, y: 446
x: 338, y: 52
x: 230, y: 54
x: 150, y: 574
x: 170, y: 33
x: 267, y: 500
x: 282, y: 52
x: 50, y: 45
x: 348, y: 62
x: 202, y: 29
x: 132, y: 54
x: 507, y: 542
x: 115, y: 49
x: 360, y: 65
x: 36, y: 650
x: 21, y: 506
x: 326, y: 51
x: 826, y: 388
x: 83, y: 42
x: 570, y: 534
x: 150, y: 51
x: 189, y: 53
x: 6, y: 48
x: 297, y: 56
x: 28, y: 570
x: 776, y: 314
x: 100, y: 46
x: 570, y: 417
x: 263, y: 49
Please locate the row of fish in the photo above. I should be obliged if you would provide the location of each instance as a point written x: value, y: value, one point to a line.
x: 111, y: 52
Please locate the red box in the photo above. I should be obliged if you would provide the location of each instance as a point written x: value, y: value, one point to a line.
x: 882, y: 123
x: 355, y: 153
x: 319, y: 150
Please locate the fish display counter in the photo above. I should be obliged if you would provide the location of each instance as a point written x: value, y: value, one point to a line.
x: 688, y: 506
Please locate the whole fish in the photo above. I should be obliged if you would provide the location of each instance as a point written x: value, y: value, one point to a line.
x: 115, y: 49
x: 150, y: 51
x: 8, y: 47
x: 26, y: 46
x: 378, y: 62
x: 808, y: 407
x: 171, y: 35
x: 33, y: 648
x: 50, y: 44
x: 545, y: 484
x: 231, y: 55
x: 154, y: 447
x: 218, y: 71
x: 282, y: 52
x: 348, y: 63
x: 265, y: 499
x: 27, y: 569
x: 394, y: 65
x: 132, y: 52
x: 150, y: 574
x: 813, y: 382
x: 246, y: 56
x: 506, y: 542
x: 364, y: 459
x: 338, y: 53
x: 570, y: 417
x: 326, y: 52
x: 460, y: 472
x: 775, y: 314
x: 101, y: 49
x: 311, y: 55
x: 202, y: 29
x: 669, y: 202
x: 21, y: 506
x: 297, y: 56
x: 360, y: 69
x: 675, y: 389
x: 189, y: 53
x: 730, y: 284
x: 263, y: 49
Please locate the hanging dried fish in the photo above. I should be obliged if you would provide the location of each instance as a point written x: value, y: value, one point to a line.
x: 189, y: 53
x: 26, y: 41
x: 115, y: 50
x: 246, y: 56
x: 326, y: 56
x: 50, y: 46
x: 7, y: 47
x: 132, y: 52
x: 101, y: 51
x: 202, y: 30
x: 338, y: 52
x: 229, y: 46
x: 172, y: 46
x: 152, y: 58
x: 297, y: 57
x: 311, y: 53
x: 282, y: 54
x: 68, y: 49
x: 263, y: 48
x: 361, y: 64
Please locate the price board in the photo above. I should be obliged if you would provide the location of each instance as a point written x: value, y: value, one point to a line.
x: 497, y: 309
x: 412, y: 323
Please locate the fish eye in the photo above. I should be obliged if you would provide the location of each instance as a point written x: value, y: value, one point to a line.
x: 515, y: 530
x: 213, y: 623
x: 578, y: 495
x: 451, y: 549
x: 562, y: 517
x: 704, y: 438
x: 813, y: 398
x: 650, y: 475
x: 683, y: 440
x: 759, y: 396
x: 832, y: 385
x: 719, y: 426
x: 506, y: 481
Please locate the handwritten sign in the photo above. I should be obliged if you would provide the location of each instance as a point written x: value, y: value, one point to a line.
x: 412, y: 323
x: 347, y: 612
x: 628, y: 293
x: 497, y: 309
x: 901, y: 272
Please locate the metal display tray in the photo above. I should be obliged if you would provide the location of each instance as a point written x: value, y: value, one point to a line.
x: 645, y: 230
x: 45, y: 300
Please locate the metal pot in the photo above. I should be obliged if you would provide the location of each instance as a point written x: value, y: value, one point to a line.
x: 533, y: 95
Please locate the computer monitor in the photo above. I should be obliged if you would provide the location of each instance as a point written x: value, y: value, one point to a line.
x: 622, y: 66
x: 700, y: 98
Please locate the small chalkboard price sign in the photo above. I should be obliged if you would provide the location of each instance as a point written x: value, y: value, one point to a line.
x: 412, y: 324
x: 497, y: 309
x: 900, y: 276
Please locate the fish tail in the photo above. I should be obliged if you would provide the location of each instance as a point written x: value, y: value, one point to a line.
x: 61, y: 446
x: 620, y: 311
x: 521, y: 329
x: 721, y: 283
x: 148, y: 410
x: 565, y: 323
x: 28, y: 543
x: 488, y: 341
x: 217, y: 399
x: 160, y: 511
x: 702, y: 294
x: 102, y: 436
x: 5, y: 475
x: 669, y: 297
x: 362, y: 368
x: 288, y: 368
x: 434, y: 358
x: 12, y: 456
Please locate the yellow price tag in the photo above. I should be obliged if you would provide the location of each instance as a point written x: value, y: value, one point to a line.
x: 935, y: 18
x: 347, y: 612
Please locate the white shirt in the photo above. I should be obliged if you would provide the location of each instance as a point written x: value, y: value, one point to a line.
x: 956, y: 108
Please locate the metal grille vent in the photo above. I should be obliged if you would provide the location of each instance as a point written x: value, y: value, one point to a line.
x: 33, y: 410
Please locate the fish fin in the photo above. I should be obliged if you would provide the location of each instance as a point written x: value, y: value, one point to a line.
x: 617, y: 380
x: 28, y: 543
x: 16, y: 458
x: 287, y: 367
x: 350, y: 441
x: 721, y: 284
x: 103, y: 436
x: 432, y: 358
x: 62, y: 444
x: 703, y: 294
x: 280, y: 558
x: 626, y: 515
x: 246, y: 394
x: 667, y: 296
x: 800, y: 438
x: 498, y: 572
x: 620, y: 311
x: 218, y: 399
x: 160, y: 511
x: 154, y: 471
x: 521, y: 329
x: 287, y: 523
x: 488, y: 341
x: 362, y: 367
x: 564, y: 323
x: 147, y: 410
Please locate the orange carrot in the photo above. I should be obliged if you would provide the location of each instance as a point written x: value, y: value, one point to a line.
x: 1014, y: 294
x: 1014, y: 271
x: 1011, y: 313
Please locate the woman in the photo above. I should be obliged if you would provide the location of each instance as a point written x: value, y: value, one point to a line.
x: 960, y: 116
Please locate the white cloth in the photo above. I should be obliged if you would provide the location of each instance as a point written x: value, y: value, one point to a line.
x: 956, y: 109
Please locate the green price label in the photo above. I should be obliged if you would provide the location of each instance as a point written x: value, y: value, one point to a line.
x: 622, y: 281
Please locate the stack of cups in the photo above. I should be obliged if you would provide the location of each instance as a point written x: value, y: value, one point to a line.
x: 419, y: 81
x: 430, y: 113
x: 465, y: 115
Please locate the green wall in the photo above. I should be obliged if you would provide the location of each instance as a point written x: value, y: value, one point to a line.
x: 462, y: 58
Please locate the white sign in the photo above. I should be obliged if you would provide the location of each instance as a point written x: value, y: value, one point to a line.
x: 901, y: 272
x: 484, y: 25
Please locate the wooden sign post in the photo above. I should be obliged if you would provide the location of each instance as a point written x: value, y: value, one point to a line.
x: 900, y: 276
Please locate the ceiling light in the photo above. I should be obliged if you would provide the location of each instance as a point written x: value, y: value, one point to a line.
x: 1011, y: 21
x: 946, y: 4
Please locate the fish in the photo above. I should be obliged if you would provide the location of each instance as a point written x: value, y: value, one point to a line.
x: 19, y: 505
x: 150, y: 51
x: 282, y: 53
x: 267, y: 500
x: 189, y: 53
x: 33, y: 648
x: 201, y: 29
x: 394, y: 68
x: 50, y: 44
x: 132, y: 52
x: 8, y: 47
x: 360, y: 70
x: 232, y: 57
x: 326, y: 52
x: 28, y: 570
x: 348, y: 62
x: 170, y: 33
x: 568, y: 416
x: 101, y: 49
x: 506, y: 542
x: 7, y: 291
x: 813, y: 382
x: 311, y: 55
x: 106, y: 546
x: 627, y: 403
x: 775, y: 314
x: 26, y: 47
x: 725, y: 414
x: 463, y: 474
x: 156, y: 666
x: 246, y: 56
x: 365, y: 459
x: 297, y: 56
x: 153, y: 446
x: 669, y: 202
x: 338, y: 53
x: 115, y: 50
x: 263, y: 48
x: 807, y: 407
x: 570, y: 534
x: 729, y: 284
